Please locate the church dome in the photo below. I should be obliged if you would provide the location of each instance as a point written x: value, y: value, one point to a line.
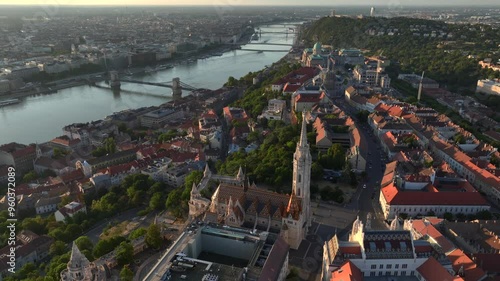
x: 317, y: 48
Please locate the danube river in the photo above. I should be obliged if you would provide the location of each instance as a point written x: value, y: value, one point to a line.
x: 41, y: 118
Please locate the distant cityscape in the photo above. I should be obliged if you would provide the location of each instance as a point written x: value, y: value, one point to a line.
x: 327, y: 153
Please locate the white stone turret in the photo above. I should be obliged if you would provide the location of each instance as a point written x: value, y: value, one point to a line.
x: 395, y: 224
x: 78, y: 268
x: 195, y: 193
x: 207, y: 173
x: 241, y: 175
x: 302, y: 162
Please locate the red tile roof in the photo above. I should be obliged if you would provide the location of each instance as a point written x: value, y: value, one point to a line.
x: 432, y: 270
x: 351, y: 250
x: 308, y: 98
x: 460, y: 261
x: 427, y: 229
x: 290, y: 88
x: 24, y: 152
x: 382, y: 107
x: 65, y: 141
x: 347, y: 272
x: 275, y: 261
x: 71, y: 176
x: 395, y: 111
x: 395, y: 197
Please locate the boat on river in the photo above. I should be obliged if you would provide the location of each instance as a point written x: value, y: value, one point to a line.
x: 9, y: 102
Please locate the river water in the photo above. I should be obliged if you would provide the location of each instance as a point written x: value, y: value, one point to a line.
x: 41, y: 118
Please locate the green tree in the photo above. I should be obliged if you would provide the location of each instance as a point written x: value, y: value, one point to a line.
x: 124, y: 253
x: 137, y: 233
x: 84, y: 243
x: 36, y: 224
x: 459, y: 138
x: 126, y: 274
x: 316, y: 171
x: 105, y: 246
x: 334, y: 158
x: 153, y: 236
x: 58, y: 153
x: 193, y: 177
x: 173, y: 199
x: 30, y: 176
x: 57, y: 248
x: 363, y: 116
x: 156, y: 201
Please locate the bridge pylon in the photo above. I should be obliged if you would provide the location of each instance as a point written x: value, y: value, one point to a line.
x: 114, y: 80
x: 176, y: 87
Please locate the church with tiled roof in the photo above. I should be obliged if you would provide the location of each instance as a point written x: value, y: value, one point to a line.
x: 245, y: 205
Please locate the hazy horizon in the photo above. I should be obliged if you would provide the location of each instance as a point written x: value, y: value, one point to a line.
x: 318, y: 3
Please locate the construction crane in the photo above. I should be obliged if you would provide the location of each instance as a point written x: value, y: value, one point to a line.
x: 420, y: 86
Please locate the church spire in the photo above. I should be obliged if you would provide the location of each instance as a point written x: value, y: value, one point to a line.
x: 303, y: 131
x: 77, y: 259
x: 194, y: 191
x: 207, y: 172
x: 241, y: 175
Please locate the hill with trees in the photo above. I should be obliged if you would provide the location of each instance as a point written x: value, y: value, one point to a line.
x: 447, y: 53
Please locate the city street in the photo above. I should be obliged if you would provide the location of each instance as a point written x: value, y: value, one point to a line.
x: 365, y: 199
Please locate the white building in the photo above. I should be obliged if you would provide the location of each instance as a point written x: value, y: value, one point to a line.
x: 274, y: 110
x: 490, y: 87
x: 439, y: 196
x: 47, y: 205
x: 375, y: 253
x: 157, y: 169
x: 69, y: 210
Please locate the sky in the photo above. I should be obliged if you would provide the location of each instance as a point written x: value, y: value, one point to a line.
x: 330, y: 3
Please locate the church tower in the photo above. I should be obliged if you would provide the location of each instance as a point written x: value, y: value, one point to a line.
x: 79, y: 268
x: 302, y: 162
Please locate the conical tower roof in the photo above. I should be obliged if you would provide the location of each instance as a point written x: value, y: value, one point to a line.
x: 240, y: 174
x: 77, y: 259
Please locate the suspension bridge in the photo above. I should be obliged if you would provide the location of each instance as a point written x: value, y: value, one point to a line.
x: 176, y: 84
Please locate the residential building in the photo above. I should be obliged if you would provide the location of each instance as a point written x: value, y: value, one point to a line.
x: 305, y: 102
x: 234, y: 114
x: 355, y: 155
x: 376, y: 253
x: 18, y: 155
x: 274, y: 110
x: 93, y: 165
x: 69, y: 210
x: 490, y: 87
x: 477, y: 236
x: 31, y: 248
x: 433, y: 195
x: 47, y: 205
